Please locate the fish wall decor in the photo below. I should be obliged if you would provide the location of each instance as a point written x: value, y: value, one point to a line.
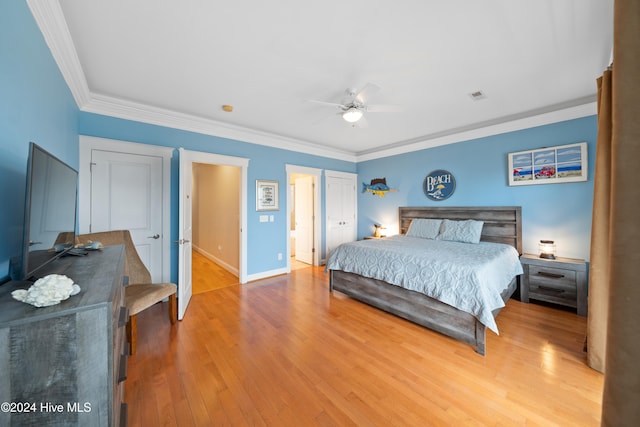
x: 377, y: 187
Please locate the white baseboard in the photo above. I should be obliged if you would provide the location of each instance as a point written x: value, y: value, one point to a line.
x: 231, y: 269
x: 265, y: 274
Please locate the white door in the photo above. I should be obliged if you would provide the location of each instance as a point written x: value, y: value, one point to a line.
x: 303, y: 209
x: 126, y: 194
x: 341, y: 209
x: 184, y: 235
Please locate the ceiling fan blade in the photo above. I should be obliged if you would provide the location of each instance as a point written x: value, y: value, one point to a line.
x: 362, y: 123
x: 383, y: 108
x: 330, y: 104
x: 366, y: 93
x: 324, y: 118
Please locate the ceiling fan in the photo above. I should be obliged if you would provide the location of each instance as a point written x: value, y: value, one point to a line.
x: 355, y: 104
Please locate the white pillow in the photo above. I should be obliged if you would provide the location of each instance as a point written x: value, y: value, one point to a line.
x: 467, y: 231
x: 424, y: 228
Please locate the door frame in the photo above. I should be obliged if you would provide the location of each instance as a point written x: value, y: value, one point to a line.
x: 89, y: 143
x: 317, y: 223
x: 243, y: 163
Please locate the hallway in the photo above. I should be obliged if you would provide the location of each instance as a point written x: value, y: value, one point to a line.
x: 207, y: 275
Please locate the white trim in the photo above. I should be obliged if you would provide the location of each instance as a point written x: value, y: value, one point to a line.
x: 317, y: 209
x: 265, y: 274
x: 217, y: 159
x: 243, y: 163
x: 53, y: 26
x: 339, y: 174
x: 303, y: 170
x: 156, y: 116
x: 128, y: 110
x: 89, y: 143
x: 584, y: 110
x: 50, y: 19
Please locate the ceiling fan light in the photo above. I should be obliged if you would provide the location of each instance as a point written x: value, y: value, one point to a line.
x: 352, y: 115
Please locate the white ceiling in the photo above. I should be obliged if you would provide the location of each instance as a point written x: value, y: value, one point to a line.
x: 176, y: 63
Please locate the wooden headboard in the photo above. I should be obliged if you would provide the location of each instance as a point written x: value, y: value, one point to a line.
x: 502, y: 224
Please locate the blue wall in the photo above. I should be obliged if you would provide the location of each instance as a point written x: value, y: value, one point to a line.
x: 561, y: 212
x: 264, y: 240
x: 35, y: 105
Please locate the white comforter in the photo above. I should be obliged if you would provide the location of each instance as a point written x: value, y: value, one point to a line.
x: 467, y: 276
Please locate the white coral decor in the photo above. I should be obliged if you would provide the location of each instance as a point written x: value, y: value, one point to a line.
x: 49, y: 290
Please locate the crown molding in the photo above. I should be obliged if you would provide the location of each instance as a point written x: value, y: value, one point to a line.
x: 50, y: 19
x: 53, y: 26
x: 586, y: 107
x: 115, y: 107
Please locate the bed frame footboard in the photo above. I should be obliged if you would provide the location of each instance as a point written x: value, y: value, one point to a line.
x: 415, y: 307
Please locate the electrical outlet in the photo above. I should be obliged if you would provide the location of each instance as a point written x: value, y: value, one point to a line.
x: 279, y: 256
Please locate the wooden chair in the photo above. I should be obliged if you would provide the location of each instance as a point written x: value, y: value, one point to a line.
x: 140, y: 293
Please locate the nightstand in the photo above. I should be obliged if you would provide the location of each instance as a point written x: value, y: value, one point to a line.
x: 560, y: 281
x: 373, y: 237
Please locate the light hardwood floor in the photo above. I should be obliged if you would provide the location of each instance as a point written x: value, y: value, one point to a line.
x: 207, y: 275
x: 285, y: 352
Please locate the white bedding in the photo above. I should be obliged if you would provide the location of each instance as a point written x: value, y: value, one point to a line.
x: 467, y: 276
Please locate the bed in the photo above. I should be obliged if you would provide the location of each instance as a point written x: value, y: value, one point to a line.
x: 502, y: 225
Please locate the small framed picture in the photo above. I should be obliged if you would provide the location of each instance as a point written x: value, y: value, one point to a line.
x: 267, y: 195
x: 551, y: 165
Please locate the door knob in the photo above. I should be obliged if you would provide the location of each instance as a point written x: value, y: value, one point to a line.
x: 155, y: 236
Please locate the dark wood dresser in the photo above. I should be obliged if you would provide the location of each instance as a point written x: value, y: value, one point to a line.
x: 66, y: 364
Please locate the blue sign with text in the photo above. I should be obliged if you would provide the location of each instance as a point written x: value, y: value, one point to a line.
x: 439, y: 185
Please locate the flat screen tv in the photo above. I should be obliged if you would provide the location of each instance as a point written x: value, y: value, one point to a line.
x: 49, y: 211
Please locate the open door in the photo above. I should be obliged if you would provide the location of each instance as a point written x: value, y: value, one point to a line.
x: 184, y: 235
x: 312, y: 205
x: 303, y: 202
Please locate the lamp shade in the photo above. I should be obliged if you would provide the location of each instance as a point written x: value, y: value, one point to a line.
x: 547, y: 249
x: 352, y: 115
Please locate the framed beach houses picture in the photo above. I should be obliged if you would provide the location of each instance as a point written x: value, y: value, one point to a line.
x: 550, y: 165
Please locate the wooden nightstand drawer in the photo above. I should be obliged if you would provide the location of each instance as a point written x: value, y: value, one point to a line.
x: 553, y: 278
x: 559, y: 281
x: 554, y: 290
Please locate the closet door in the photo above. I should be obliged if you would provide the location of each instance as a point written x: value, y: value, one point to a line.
x: 341, y: 209
x: 127, y: 194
